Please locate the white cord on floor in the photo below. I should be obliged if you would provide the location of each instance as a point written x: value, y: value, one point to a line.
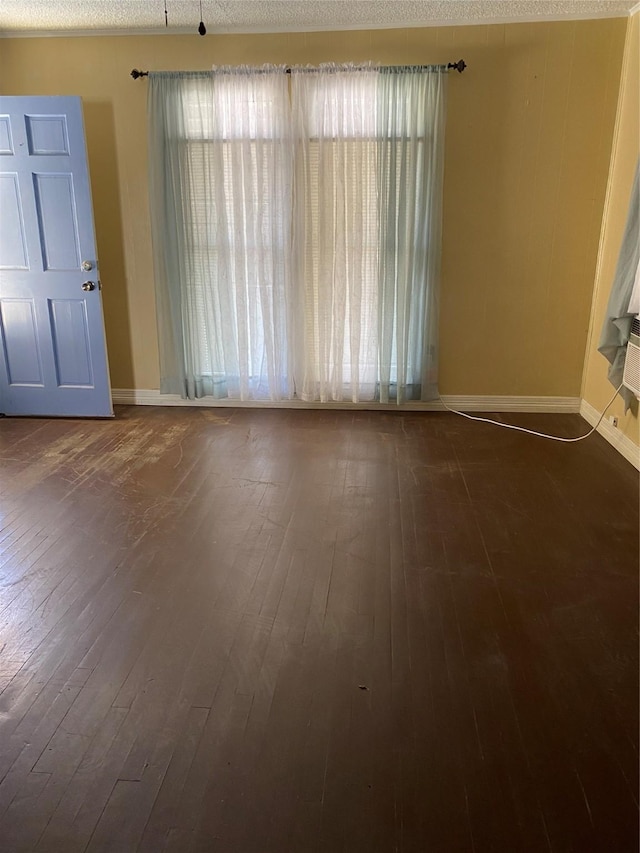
x: 531, y: 431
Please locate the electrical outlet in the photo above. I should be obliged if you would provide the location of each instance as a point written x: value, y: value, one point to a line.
x: 613, y: 420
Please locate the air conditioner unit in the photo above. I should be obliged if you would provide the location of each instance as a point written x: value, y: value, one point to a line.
x: 631, y: 375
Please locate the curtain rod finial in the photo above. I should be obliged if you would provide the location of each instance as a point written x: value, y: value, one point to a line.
x: 135, y: 73
x: 460, y: 65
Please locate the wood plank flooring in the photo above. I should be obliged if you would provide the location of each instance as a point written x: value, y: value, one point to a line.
x: 247, y: 631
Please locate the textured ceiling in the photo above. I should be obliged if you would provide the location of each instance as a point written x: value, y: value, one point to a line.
x: 24, y: 16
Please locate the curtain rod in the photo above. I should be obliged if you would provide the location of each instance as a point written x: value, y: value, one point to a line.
x: 459, y: 66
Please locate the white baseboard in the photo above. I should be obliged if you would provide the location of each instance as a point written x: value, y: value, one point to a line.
x: 613, y: 435
x: 562, y: 405
x: 544, y: 405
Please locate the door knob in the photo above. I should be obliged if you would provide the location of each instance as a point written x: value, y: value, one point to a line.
x: 88, y: 285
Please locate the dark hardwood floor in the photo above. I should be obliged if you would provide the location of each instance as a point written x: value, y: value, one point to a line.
x: 255, y: 631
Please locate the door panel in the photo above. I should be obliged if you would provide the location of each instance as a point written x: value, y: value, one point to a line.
x: 47, y: 135
x: 13, y: 246
x: 24, y: 362
x: 6, y: 146
x: 52, y: 348
x: 57, y: 221
x: 70, y: 335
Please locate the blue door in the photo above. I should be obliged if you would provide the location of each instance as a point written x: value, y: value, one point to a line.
x: 53, y: 358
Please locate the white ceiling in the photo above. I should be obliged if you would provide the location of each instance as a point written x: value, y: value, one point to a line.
x: 24, y: 17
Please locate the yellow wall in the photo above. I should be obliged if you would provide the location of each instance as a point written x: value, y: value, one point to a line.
x: 529, y: 133
x: 626, y: 149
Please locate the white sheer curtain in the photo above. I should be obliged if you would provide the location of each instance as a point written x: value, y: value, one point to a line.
x: 336, y: 228
x: 296, y: 231
x: 221, y: 198
x: 369, y: 164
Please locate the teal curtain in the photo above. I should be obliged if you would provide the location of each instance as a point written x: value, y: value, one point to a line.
x: 411, y: 117
x: 617, y: 324
x: 166, y: 126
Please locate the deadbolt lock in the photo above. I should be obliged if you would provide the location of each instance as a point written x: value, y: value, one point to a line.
x: 87, y: 266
